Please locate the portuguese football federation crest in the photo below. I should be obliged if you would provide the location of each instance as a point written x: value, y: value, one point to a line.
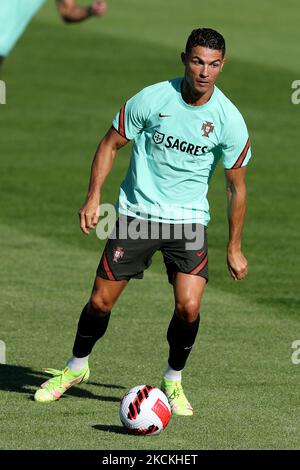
x: 158, y: 137
x: 118, y: 253
x: 207, y: 128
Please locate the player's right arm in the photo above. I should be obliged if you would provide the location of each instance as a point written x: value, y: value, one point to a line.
x: 101, y: 167
x: 127, y: 124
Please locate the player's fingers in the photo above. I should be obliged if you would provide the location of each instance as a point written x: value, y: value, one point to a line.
x: 99, y: 7
x: 232, y: 273
x: 243, y: 271
x: 240, y: 277
x: 92, y: 221
x: 95, y: 220
x: 83, y: 223
x: 95, y: 217
x: 88, y: 220
x: 241, y: 274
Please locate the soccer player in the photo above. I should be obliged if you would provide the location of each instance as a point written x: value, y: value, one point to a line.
x: 16, y: 14
x: 180, y: 129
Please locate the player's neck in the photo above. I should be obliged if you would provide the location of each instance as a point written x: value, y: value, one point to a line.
x: 193, y: 98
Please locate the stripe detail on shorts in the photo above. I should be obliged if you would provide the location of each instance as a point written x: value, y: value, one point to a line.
x: 107, y: 269
x: 242, y: 156
x: 200, y: 266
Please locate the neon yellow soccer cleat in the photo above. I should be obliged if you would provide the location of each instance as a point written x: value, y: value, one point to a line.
x: 53, y: 389
x: 179, y: 403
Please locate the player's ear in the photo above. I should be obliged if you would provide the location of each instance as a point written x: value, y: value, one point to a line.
x: 224, y: 61
x: 183, y: 58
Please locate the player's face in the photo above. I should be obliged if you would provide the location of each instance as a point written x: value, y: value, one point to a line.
x: 202, y: 67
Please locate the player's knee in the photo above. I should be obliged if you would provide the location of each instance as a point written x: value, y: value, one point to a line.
x: 99, y: 305
x: 188, y: 310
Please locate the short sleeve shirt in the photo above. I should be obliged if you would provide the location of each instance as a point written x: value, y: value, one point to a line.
x: 175, y: 149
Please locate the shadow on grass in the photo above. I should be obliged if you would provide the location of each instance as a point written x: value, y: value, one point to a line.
x: 110, y: 428
x: 25, y: 380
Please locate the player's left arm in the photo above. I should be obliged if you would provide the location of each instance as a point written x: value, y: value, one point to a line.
x: 72, y: 13
x: 236, y: 194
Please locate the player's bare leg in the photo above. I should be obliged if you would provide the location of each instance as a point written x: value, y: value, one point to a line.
x: 92, y: 326
x: 104, y: 295
x: 182, y: 332
x: 188, y: 292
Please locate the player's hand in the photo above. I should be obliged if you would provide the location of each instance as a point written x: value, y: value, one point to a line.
x: 99, y: 7
x: 237, y: 263
x: 89, y: 215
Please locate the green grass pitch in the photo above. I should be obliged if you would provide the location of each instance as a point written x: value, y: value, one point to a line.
x: 64, y: 85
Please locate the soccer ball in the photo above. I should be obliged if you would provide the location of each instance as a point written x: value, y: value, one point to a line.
x: 145, y: 410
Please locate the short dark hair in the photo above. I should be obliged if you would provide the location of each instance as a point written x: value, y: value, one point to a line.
x: 205, y: 37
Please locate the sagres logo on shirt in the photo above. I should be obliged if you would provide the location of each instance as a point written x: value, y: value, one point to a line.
x: 174, y: 143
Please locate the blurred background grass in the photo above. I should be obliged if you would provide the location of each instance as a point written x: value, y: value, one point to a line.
x: 64, y: 85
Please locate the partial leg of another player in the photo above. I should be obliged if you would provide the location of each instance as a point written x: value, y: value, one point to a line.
x: 92, y: 326
x: 182, y: 332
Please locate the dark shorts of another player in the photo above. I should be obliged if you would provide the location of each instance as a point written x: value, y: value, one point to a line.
x: 127, y: 258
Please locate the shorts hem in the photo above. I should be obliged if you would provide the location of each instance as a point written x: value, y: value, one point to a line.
x: 120, y: 278
x: 178, y: 271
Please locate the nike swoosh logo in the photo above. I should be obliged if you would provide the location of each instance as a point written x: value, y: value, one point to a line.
x: 164, y: 115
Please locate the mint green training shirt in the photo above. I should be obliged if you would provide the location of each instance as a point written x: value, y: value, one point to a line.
x: 176, y: 147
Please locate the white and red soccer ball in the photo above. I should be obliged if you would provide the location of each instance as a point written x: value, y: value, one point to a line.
x: 145, y: 410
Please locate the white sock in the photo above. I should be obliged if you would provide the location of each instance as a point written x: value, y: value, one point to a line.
x: 172, y: 374
x: 77, y: 363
